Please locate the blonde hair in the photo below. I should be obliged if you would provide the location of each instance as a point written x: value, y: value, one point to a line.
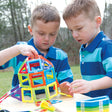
x: 88, y: 7
x: 46, y: 13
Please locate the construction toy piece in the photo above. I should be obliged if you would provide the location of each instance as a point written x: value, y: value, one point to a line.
x: 16, y: 93
x: 36, y: 76
x: 55, y: 101
x: 44, y: 104
x: 98, y: 104
x: 65, y: 94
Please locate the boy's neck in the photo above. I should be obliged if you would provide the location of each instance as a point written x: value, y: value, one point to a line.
x: 93, y: 37
x: 44, y: 52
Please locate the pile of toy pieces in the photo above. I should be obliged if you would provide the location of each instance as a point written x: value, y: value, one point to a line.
x: 36, y: 76
x: 97, y: 104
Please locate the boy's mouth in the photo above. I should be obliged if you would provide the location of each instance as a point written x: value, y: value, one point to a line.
x: 79, y: 40
x: 46, y: 43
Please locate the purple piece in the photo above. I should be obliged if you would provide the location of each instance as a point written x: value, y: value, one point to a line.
x: 16, y: 93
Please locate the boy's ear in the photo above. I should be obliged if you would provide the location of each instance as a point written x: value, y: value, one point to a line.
x: 98, y: 20
x: 30, y: 30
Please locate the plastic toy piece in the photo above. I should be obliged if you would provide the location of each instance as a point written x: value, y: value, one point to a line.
x: 98, y: 104
x: 23, y: 69
x: 39, y: 97
x: 55, y: 101
x: 24, y: 80
x: 56, y: 90
x: 34, y: 66
x: 49, y: 76
x: 44, y: 104
x: 29, y: 95
x: 65, y: 94
x: 37, y: 79
x: 17, y: 93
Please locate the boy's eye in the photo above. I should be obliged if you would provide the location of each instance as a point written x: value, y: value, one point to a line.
x: 80, y: 28
x: 41, y: 33
x: 53, y: 34
x: 71, y: 31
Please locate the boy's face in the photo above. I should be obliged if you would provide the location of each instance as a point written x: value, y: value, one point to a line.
x: 83, y: 29
x: 44, y: 34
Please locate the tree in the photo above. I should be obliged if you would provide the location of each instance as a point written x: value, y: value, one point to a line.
x: 107, y: 20
x: 14, y: 20
x: 15, y: 17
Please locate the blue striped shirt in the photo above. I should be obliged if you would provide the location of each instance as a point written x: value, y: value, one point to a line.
x: 55, y: 55
x: 96, y: 62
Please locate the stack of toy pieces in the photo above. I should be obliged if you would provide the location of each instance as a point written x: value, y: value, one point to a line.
x: 36, y: 76
x: 98, y: 104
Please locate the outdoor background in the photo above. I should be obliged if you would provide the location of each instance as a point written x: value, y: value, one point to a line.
x: 14, y: 19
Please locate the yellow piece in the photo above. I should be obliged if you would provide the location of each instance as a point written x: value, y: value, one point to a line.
x: 56, y: 90
x: 44, y: 104
x: 50, y: 76
x: 24, y: 80
x: 65, y: 94
x: 46, y: 64
x: 23, y: 97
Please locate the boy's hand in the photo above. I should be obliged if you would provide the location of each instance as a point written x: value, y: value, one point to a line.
x: 64, y: 87
x: 28, y: 50
x: 80, y: 86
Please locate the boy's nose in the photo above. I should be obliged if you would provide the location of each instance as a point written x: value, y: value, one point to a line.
x: 46, y: 37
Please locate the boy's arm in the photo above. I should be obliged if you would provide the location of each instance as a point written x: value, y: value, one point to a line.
x: 103, y: 83
x: 65, y: 76
x: 9, y: 53
x: 83, y: 86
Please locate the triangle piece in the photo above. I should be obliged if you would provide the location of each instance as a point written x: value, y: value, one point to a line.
x: 16, y: 93
x: 23, y: 69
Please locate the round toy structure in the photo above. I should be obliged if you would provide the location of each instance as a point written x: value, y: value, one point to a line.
x: 36, y: 76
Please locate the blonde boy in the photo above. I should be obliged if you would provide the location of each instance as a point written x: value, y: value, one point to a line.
x: 83, y: 20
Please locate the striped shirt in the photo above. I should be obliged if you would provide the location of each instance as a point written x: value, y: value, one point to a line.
x: 96, y: 62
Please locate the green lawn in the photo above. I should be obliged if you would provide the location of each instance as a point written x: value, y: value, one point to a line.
x: 76, y: 71
x: 5, y: 82
x: 6, y: 79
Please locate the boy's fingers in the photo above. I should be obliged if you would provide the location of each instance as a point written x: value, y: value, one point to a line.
x: 63, y: 84
x: 35, y: 54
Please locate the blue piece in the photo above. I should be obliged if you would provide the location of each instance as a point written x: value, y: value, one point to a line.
x: 55, y: 101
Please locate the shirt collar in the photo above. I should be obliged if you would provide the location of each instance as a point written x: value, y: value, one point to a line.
x: 51, y: 53
x: 92, y: 46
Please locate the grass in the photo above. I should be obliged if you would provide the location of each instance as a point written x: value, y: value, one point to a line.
x: 6, y: 79
x: 76, y: 72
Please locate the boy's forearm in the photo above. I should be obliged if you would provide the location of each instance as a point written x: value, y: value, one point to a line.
x: 7, y: 54
x: 103, y: 83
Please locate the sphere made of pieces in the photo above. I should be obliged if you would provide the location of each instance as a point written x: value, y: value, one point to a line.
x: 37, y: 80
